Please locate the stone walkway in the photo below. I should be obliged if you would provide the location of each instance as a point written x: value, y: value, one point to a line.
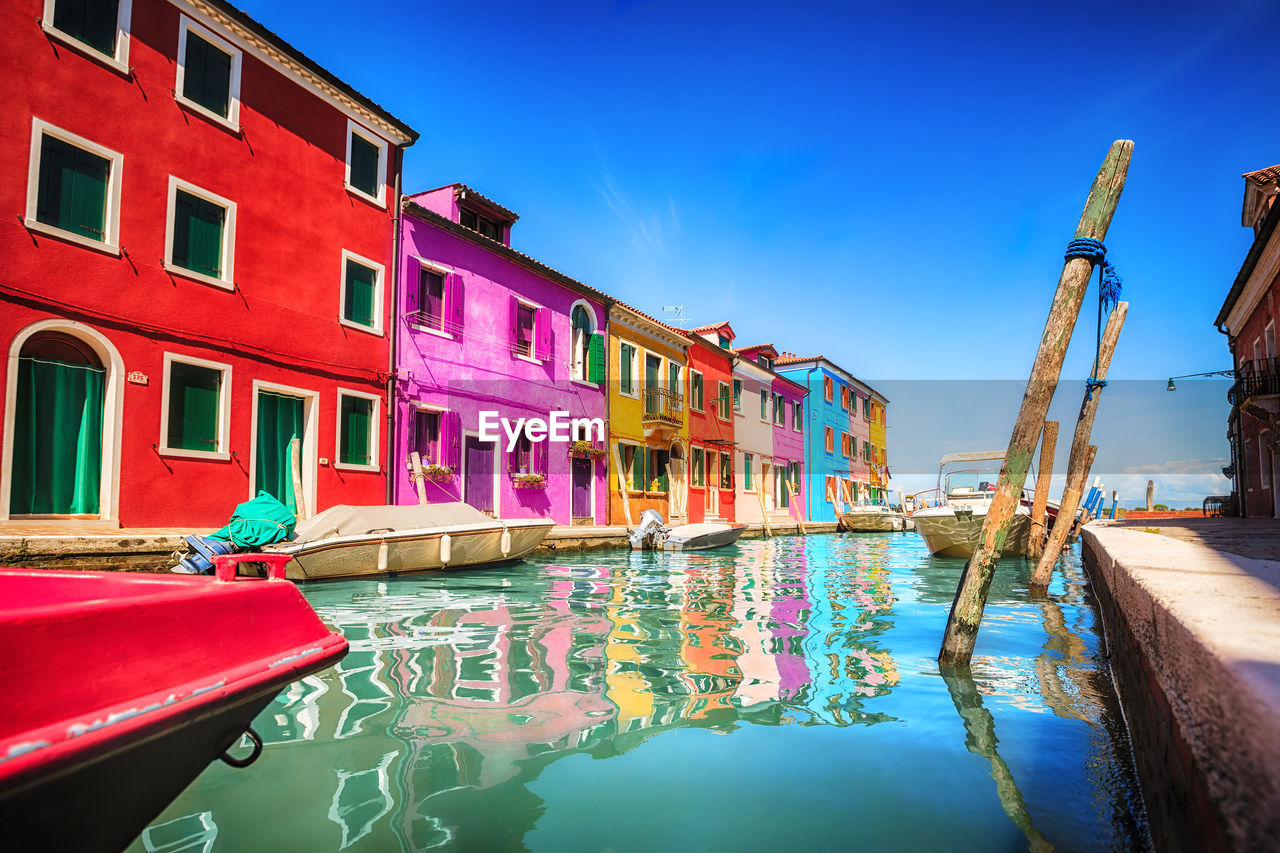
x: 1247, y: 537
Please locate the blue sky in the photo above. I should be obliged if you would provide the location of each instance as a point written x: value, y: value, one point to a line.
x: 888, y: 184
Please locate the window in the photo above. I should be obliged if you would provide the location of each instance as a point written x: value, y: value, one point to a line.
x: 524, y: 330
x: 100, y: 25
x: 866, y: 407
x: 826, y: 388
x: 764, y: 405
x: 627, y: 368
x: 722, y: 400
x: 73, y: 188
x: 520, y: 458
x: 674, y: 383
x: 366, y: 164
x: 431, y: 298
x: 844, y: 397
x: 831, y: 489
x: 724, y: 342
x: 357, y: 438
x: 737, y: 395
x: 779, y: 410
x: 726, y: 471
x: 492, y: 228
x: 844, y: 444
x: 658, y: 469
x: 866, y: 451
x: 829, y: 439
x: 1269, y: 338
x: 1264, y: 463
x: 361, y: 293
x: 853, y: 447
x: 748, y: 460
x: 797, y: 416
x: 208, y: 75
x: 425, y: 438
x: 695, y: 467
x: 695, y: 390
x: 764, y: 361
x: 201, y: 241
x: 634, y: 459
x: 588, y: 347
x: 195, y: 417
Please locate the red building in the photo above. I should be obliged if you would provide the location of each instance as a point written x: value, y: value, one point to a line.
x: 1248, y: 318
x: 711, y: 408
x: 198, y: 269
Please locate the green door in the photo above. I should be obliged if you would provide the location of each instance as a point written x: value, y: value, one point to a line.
x: 57, y: 440
x: 280, y: 420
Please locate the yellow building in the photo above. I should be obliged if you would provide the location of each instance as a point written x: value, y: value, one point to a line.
x: 648, y: 419
x: 878, y: 442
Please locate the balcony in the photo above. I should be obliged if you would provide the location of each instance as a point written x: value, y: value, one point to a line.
x: 662, y: 407
x: 1257, y: 378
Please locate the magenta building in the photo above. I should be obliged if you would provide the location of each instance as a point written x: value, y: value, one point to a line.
x: 481, y: 328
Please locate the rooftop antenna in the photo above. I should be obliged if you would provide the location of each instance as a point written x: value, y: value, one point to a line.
x: 678, y: 316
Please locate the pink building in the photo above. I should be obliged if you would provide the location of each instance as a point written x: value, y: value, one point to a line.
x: 782, y: 404
x: 481, y: 327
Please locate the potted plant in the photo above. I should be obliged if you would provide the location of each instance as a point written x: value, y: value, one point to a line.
x: 530, y: 481
x: 437, y: 473
x: 585, y: 450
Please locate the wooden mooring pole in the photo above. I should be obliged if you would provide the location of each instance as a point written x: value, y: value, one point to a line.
x: 1048, y: 447
x: 295, y: 472
x: 1151, y: 495
x: 1079, y: 443
x: 971, y: 595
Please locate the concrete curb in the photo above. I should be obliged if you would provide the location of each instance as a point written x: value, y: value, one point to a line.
x: 1194, y: 638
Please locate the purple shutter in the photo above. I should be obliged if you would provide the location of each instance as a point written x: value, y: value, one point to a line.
x: 513, y: 459
x: 515, y: 325
x: 413, y: 291
x: 538, y: 463
x: 542, y: 332
x: 451, y: 440
x: 453, y: 303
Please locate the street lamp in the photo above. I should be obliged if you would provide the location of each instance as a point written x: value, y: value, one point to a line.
x: 1172, y: 387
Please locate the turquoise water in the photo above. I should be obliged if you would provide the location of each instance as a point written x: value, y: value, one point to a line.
x: 776, y: 695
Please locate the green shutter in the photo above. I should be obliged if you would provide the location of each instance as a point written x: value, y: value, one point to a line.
x: 73, y: 189
x: 638, y: 481
x: 90, y: 21
x: 357, y: 422
x: 197, y: 234
x: 595, y: 359
x: 193, y: 407
x: 661, y: 458
x: 206, y: 76
x: 624, y: 360
x: 364, y: 165
x: 358, y: 307
x: 748, y: 460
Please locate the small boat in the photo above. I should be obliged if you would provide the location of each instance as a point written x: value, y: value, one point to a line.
x: 654, y: 533
x: 952, y: 524
x: 354, y: 541
x: 872, y: 518
x: 120, y: 688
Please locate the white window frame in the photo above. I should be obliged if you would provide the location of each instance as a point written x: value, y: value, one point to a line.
x: 767, y: 397
x: 111, y: 221
x: 380, y: 198
x: 635, y: 366
x: 224, y: 409
x: 374, y: 465
x: 703, y: 401
x: 533, y: 344
x: 415, y: 407
x: 228, y: 281
x: 231, y: 120
x: 430, y: 266
x: 737, y: 400
x: 379, y: 276
x: 797, y: 419
x: 118, y: 62
x: 1269, y: 340
x: 778, y: 398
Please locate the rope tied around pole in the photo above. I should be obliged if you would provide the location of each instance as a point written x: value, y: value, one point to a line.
x: 1109, y: 289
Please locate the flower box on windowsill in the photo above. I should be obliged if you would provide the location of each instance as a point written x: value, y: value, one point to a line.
x: 585, y: 450
x: 529, y: 481
x: 437, y: 473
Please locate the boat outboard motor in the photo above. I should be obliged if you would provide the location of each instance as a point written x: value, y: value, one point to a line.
x: 646, y: 532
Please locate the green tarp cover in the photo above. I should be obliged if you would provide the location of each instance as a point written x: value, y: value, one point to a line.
x: 261, y: 521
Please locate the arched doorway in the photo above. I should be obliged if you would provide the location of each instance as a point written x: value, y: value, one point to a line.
x: 678, y: 477
x: 58, y: 419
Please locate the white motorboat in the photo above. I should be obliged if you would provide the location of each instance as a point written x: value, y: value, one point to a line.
x: 872, y: 518
x: 354, y: 541
x: 652, y: 532
x: 952, y: 524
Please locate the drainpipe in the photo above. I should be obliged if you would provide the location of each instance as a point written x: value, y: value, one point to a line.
x: 808, y: 497
x: 393, y: 357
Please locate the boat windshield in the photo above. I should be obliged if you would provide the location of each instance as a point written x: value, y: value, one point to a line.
x: 973, y: 483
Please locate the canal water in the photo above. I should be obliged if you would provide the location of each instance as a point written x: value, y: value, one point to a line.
x: 776, y: 695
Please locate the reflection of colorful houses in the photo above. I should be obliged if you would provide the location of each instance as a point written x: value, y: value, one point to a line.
x: 709, y: 648
x: 648, y: 421
x: 789, y: 624
x: 483, y: 327
x: 712, y: 404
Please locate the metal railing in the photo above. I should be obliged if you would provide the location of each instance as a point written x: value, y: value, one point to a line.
x: 1257, y: 378
x: 661, y: 404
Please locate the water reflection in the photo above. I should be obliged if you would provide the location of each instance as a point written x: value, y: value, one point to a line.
x: 461, y: 690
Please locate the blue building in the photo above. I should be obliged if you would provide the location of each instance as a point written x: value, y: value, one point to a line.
x: 837, y: 429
